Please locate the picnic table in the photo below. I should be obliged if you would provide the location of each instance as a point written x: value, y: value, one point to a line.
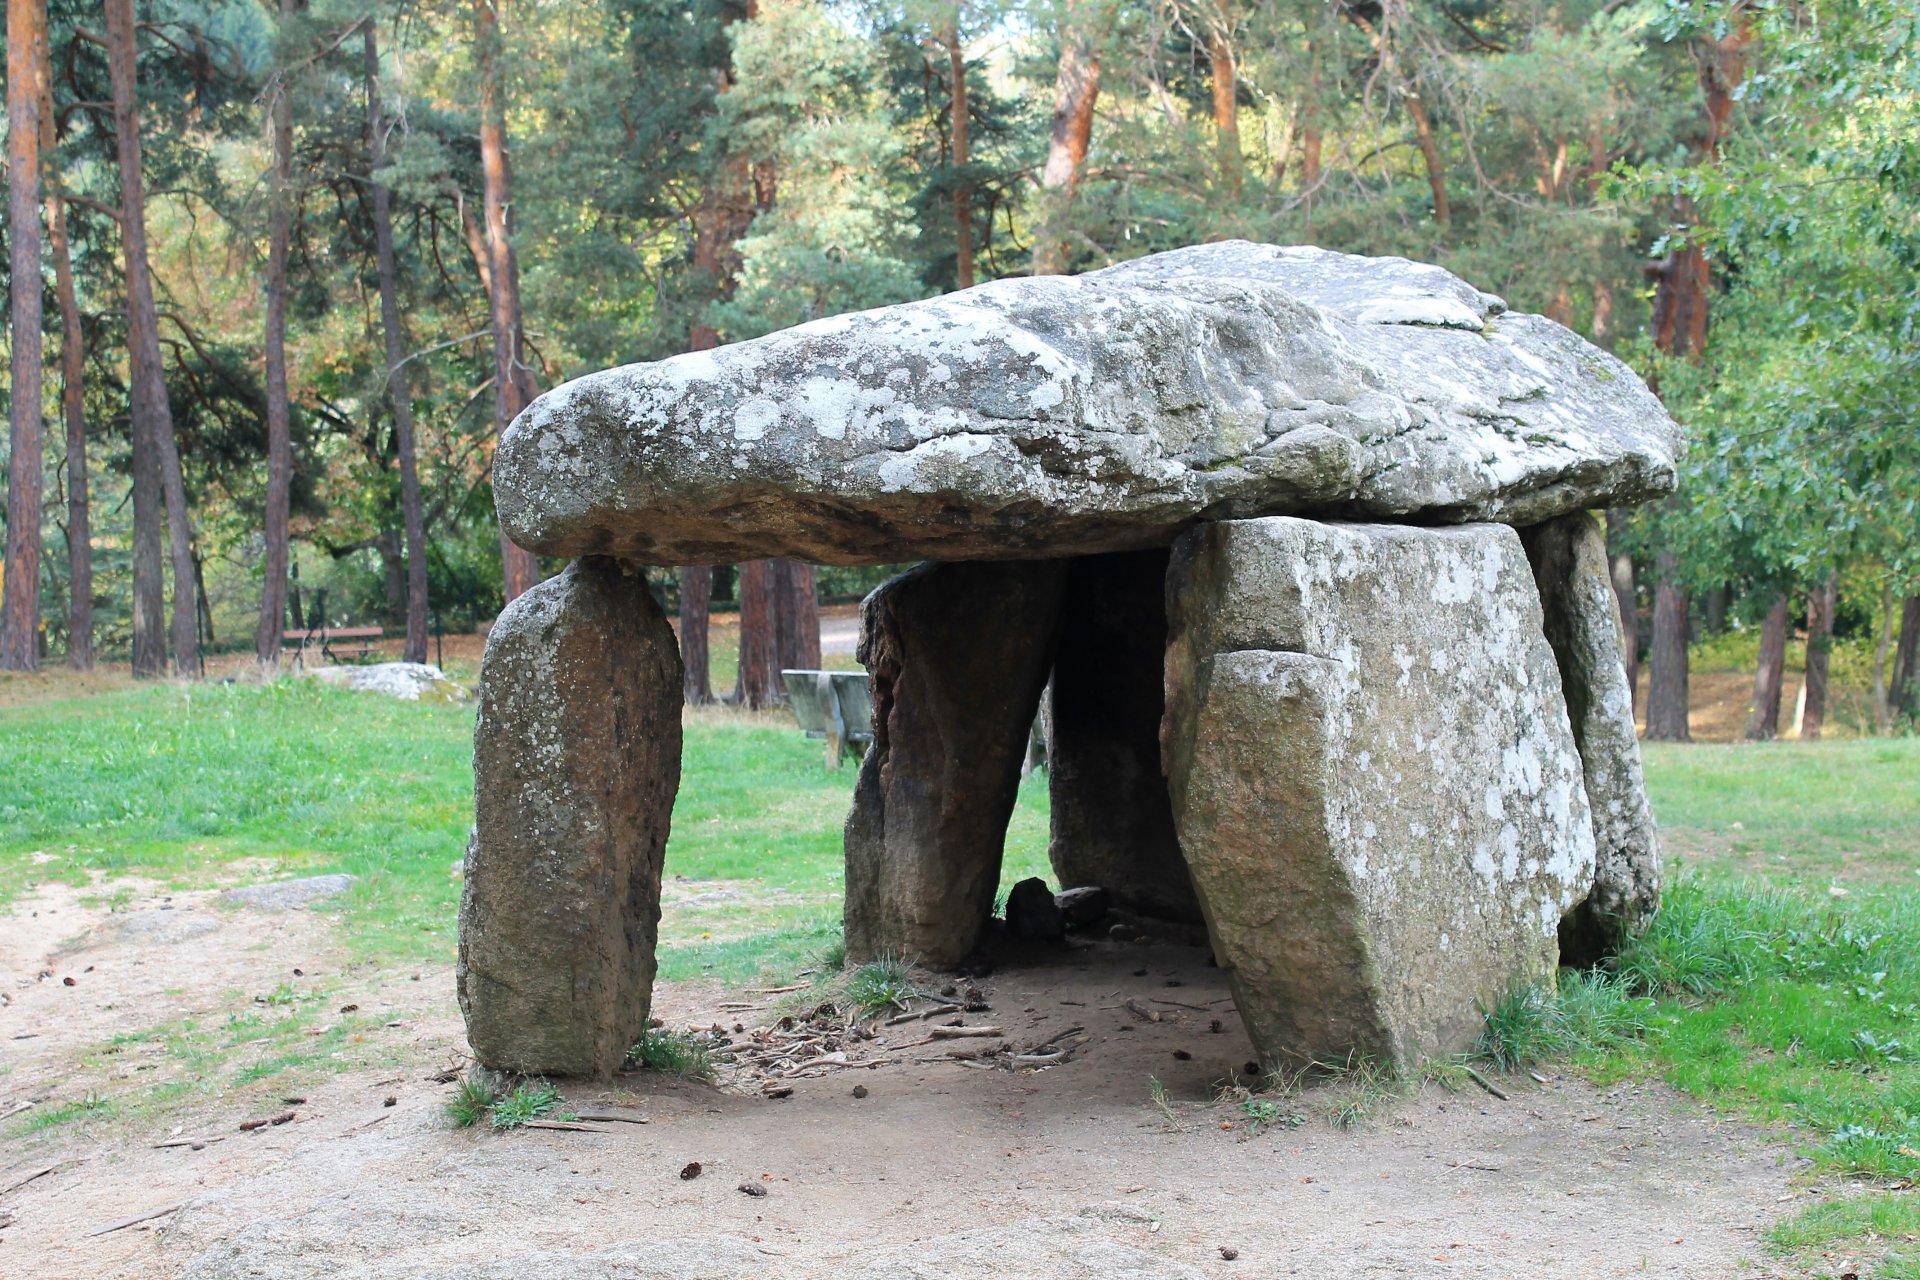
x: 357, y: 642
x: 835, y: 705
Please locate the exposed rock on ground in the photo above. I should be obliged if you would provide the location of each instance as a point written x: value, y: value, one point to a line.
x: 288, y: 895
x: 576, y: 762
x: 1375, y: 781
x: 407, y: 681
x: 1583, y: 625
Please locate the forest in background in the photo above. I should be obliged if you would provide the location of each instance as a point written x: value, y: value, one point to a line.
x: 280, y: 272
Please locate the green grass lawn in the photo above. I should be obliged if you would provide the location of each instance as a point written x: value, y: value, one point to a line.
x: 1781, y: 982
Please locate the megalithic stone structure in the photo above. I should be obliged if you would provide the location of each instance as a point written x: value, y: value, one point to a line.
x: 1252, y: 509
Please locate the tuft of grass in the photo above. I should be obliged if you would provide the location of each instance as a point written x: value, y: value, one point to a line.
x: 1157, y: 1094
x: 880, y: 986
x: 1589, y: 1013
x: 1357, y: 1090
x: 471, y: 1102
x: 673, y: 1053
x: 1269, y: 1113
x: 528, y: 1100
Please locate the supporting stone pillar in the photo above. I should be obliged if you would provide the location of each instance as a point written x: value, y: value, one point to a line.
x: 957, y: 655
x: 1373, y: 779
x: 1112, y: 821
x: 576, y: 761
x: 1569, y: 557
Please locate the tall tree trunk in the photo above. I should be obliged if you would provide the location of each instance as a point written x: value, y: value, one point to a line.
x: 393, y: 573
x: 696, y: 655
x: 26, y: 99
x: 1882, y: 647
x: 1603, y: 314
x: 1820, y: 605
x: 1430, y: 154
x: 73, y: 357
x: 149, y: 412
x: 799, y: 615
x: 399, y: 394
x: 958, y: 112
x: 1905, y: 694
x: 513, y: 386
x: 1076, y: 89
x: 758, y: 682
x: 1769, y: 676
x: 1667, y: 685
x: 268, y: 636
x: 1225, y: 77
x: 203, y: 607
x: 1718, y: 599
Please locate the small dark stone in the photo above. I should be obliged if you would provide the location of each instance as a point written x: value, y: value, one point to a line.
x: 691, y: 1172
x: 859, y: 1091
x: 1216, y: 1026
x: 1250, y: 1069
x: 753, y: 1189
x: 1139, y: 973
x: 1229, y: 1252
x: 390, y: 1101
x: 1175, y: 982
x: 1183, y: 1055
x: 1083, y: 906
x: 1032, y: 913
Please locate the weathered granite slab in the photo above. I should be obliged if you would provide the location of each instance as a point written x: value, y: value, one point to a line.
x: 1373, y: 777
x: 1056, y: 416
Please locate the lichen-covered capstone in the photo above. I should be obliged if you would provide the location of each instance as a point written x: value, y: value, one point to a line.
x: 1055, y: 416
x: 958, y: 654
x: 576, y: 761
x: 1582, y: 619
x: 1374, y: 779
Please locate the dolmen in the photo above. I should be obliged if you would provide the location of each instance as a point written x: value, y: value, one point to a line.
x: 1301, y: 543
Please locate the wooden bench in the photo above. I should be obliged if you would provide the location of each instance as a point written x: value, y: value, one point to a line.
x: 835, y: 705
x: 356, y: 642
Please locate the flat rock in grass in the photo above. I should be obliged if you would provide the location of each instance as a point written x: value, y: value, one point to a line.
x: 1055, y: 416
x: 288, y: 895
x: 158, y: 928
x: 407, y: 681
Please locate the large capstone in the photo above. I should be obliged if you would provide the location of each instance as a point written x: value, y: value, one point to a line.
x: 576, y: 761
x: 1583, y: 625
x: 957, y: 655
x: 1112, y: 825
x: 1376, y: 785
x: 1055, y: 416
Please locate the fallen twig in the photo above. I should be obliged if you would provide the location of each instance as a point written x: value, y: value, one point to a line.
x: 161, y: 1212
x: 561, y: 1125
x: 622, y: 1117
x: 778, y: 991
x: 23, y: 1105
x: 1484, y: 1083
x: 248, y: 1126
x: 24, y: 1179
x: 195, y: 1143
x: 962, y: 1033
x: 1197, y: 1008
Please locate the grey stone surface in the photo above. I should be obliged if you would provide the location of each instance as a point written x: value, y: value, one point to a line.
x: 1111, y: 823
x: 1374, y: 778
x: 407, y: 681
x: 957, y: 654
x: 1582, y: 621
x: 576, y: 762
x: 287, y: 895
x: 1054, y: 416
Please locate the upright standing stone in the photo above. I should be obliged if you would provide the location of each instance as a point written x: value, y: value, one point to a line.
x: 957, y: 654
x: 1112, y: 822
x: 576, y: 762
x: 1373, y: 778
x: 1582, y: 621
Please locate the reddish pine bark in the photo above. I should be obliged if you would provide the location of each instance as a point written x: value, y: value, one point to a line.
x: 798, y: 643
x: 958, y: 112
x: 26, y: 100
x: 696, y: 655
x: 269, y: 634
x: 154, y: 481
x: 758, y: 682
x: 513, y: 385
x: 1076, y: 90
x: 1820, y: 605
x: 1225, y: 77
x: 1763, y: 712
x: 399, y: 393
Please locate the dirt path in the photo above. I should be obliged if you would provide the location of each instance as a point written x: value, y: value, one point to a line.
x: 943, y: 1170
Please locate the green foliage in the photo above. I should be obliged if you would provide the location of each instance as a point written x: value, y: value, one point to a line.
x: 673, y: 1053
x: 472, y: 1102
x: 882, y: 985
x: 528, y: 1100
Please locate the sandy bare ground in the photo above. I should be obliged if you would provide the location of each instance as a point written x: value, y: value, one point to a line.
x: 942, y: 1170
